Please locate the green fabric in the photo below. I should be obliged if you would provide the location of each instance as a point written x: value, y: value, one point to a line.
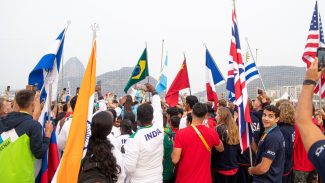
x: 168, y: 165
x: 16, y: 161
x: 140, y: 71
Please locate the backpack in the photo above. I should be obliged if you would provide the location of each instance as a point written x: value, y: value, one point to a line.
x: 90, y: 173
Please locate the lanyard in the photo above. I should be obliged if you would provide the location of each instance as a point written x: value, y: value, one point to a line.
x: 266, y: 133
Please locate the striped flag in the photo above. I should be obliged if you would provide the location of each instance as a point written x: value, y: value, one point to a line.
x: 45, y: 73
x: 251, y: 71
x: 315, y: 39
x: 213, y: 78
x: 79, y: 134
x: 237, y: 85
x: 162, y: 81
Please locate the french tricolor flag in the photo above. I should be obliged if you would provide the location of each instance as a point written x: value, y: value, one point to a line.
x: 213, y: 78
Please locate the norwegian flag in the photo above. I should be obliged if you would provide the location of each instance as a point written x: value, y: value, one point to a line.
x: 315, y: 39
x: 236, y: 84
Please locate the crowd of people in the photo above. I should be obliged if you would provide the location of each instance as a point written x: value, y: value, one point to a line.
x: 134, y: 140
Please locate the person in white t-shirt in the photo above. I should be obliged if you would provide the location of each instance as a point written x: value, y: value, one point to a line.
x: 116, y: 125
x: 144, y: 149
x: 190, y: 101
x: 63, y: 128
x: 126, y: 131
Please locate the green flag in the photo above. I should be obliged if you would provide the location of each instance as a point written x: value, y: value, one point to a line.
x: 140, y: 71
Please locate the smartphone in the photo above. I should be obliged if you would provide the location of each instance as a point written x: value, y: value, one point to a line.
x: 321, y: 58
x: 259, y: 91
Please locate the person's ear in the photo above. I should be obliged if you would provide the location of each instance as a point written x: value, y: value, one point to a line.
x: 277, y: 119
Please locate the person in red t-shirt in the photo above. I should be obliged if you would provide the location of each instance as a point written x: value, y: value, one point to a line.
x: 302, y: 167
x: 192, y: 149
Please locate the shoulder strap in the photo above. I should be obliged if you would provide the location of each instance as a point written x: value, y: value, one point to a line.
x: 202, y: 138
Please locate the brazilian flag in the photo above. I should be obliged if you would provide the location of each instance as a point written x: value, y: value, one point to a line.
x: 140, y: 72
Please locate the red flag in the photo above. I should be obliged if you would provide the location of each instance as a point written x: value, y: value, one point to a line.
x: 180, y: 82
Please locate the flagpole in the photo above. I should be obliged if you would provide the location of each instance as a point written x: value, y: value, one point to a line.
x: 49, y: 101
x: 249, y: 146
x: 187, y: 74
x: 260, y: 75
x: 162, y: 54
x: 147, y: 65
x: 319, y: 44
x: 65, y: 30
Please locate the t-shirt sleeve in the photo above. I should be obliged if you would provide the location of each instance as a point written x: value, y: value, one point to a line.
x: 215, y: 138
x: 178, y: 138
x: 316, y: 155
x: 271, y: 148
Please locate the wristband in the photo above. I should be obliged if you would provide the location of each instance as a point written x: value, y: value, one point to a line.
x: 309, y: 82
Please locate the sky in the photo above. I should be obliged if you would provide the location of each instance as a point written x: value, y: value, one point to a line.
x: 278, y: 29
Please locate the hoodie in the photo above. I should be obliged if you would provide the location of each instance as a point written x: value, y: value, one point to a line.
x: 23, y: 123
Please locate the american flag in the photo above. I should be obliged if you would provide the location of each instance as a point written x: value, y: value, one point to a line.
x: 315, y: 39
x: 236, y: 83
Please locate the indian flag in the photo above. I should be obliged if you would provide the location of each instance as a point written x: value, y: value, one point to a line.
x: 79, y: 134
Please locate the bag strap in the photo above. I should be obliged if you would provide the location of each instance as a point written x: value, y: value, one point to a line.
x: 202, y: 138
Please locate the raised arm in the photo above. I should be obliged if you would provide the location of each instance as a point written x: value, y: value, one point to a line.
x: 309, y: 132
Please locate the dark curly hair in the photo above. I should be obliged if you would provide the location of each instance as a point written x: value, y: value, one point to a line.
x: 100, y: 148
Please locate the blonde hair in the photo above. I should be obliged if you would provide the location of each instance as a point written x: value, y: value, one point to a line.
x: 287, y: 113
x: 232, y: 129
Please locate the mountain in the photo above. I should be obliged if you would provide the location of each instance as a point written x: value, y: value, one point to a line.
x: 113, y: 81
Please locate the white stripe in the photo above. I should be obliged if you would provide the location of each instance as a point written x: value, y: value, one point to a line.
x: 252, y: 78
x: 310, y: 49
x: 53, y: 49
x: 312, y: 40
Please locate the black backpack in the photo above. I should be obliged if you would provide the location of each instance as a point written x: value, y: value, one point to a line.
x: 90, y: 173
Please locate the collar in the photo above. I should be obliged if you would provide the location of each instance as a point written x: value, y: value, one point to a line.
x: 25, y: 112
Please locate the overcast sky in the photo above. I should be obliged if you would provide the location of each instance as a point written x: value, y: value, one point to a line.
x: 277, y: 28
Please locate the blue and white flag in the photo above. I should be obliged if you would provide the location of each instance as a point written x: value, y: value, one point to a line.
x: 162, y: 80
x: 46, y: 72
x: 251, y: 72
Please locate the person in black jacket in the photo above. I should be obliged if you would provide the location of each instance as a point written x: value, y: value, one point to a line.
x: 225, y: 164
x: 22, y: 122
x: 286, y: 125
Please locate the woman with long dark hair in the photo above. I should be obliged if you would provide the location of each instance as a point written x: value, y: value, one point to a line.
x: 102, y: 162
x: 126, y: 131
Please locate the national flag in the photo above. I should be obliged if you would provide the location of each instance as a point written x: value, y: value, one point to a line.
x: 46, y: 73
x: 162, y: 80
x: 180, y: 82
x: 213, y: 78
x: 315, y: 39
x: 79, y: 134
x: 140, y: 71
x: 237, y: 85
x: 251, y: 71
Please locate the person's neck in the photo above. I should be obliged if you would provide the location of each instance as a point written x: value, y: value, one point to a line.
x: 147, y: 124
x: 30, y: 112
x: 197, y: 122
x: 268, y: 128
